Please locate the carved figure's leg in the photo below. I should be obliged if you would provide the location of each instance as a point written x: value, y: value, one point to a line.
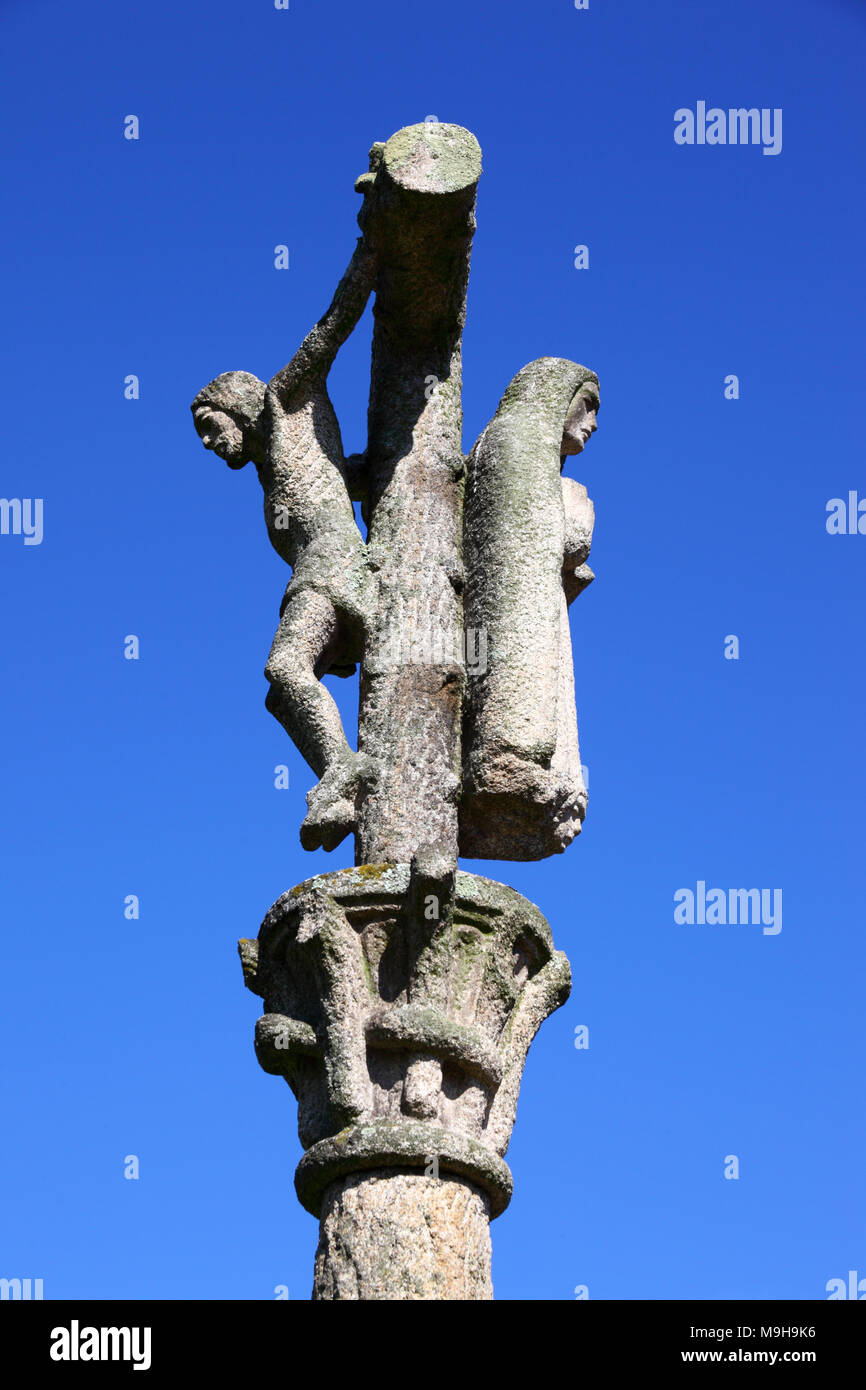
x: 309, y: 628
x: 306, y: 710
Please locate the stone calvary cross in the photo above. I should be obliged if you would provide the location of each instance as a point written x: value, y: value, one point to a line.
x: 401, y: 996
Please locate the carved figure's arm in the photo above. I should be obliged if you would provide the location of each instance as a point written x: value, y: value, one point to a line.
x: 579, y: 522
x: 315, y: 356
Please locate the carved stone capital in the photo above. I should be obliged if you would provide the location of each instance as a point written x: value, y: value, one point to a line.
x: 400, y: 1003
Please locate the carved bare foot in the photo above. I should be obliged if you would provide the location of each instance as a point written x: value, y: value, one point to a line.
x: 332, y: 803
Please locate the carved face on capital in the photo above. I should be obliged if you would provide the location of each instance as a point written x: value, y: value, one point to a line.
x: 221, y: 432
x: 581, y: 421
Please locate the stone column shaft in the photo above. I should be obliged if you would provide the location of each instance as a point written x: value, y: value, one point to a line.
x: 403, y: 1236
x: 420, y: 221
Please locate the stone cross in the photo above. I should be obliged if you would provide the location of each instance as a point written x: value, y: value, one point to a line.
x: 401, y: 996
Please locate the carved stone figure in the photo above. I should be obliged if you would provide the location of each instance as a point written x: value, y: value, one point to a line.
x: 401, y: 995
x: 289, y: 430
x: 527, y: 537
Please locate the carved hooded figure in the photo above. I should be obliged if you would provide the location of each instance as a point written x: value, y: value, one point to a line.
x: 527, y: 534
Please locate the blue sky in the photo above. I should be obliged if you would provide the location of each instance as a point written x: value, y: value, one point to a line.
x: 155, y: 777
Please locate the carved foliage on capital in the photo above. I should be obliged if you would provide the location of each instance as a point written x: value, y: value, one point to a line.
x: 400, y: 1003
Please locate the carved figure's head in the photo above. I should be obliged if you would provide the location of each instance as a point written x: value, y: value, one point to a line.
x: 581, y: 421
x: 227, y: 417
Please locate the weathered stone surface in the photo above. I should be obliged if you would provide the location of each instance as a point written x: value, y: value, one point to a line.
x: 401, y: 1018
x: 403, y: 1236
x: 401, y: 603
x: 419, y: 214
x: 526, y: 531
x: 401, y: 1144
x: 401, y: 996
x: 365, y: 975
x: 288, y: 429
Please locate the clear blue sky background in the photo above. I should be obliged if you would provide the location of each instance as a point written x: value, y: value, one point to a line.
x: 156, y: 777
